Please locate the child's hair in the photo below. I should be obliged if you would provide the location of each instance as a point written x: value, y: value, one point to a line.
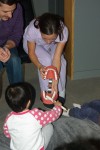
x: 50, y: 24
x: 17, y: 96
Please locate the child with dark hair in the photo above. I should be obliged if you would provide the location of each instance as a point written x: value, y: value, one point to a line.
x: 28, y: 129
x: 44, y: 41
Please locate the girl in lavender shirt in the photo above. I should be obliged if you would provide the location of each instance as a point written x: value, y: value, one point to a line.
x: 44, y: 41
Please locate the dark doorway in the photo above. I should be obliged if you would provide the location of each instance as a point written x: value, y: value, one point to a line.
x: 56, y: 6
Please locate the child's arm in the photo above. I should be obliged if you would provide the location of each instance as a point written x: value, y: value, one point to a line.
x: 45, y: 117
x: 5, y: 130
x: 5, y: 127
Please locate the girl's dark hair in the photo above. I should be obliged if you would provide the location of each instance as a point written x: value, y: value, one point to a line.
x: 50, y: 23
x: 9, y: 2
x: 17, y: 96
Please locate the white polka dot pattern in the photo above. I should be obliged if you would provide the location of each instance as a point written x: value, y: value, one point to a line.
x: 45, y: 117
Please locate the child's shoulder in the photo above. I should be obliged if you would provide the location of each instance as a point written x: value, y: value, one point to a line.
x: 34, y: 110
x: 9, y: 115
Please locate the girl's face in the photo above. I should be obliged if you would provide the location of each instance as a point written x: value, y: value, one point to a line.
x: 49, y: 38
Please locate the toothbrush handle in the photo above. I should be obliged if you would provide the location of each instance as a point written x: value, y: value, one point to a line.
x: 64, y: 108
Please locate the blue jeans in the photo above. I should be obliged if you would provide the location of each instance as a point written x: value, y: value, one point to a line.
x: 89, y: 111
x: 13, y: 67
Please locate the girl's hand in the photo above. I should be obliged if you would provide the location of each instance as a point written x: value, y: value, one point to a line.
x: 42, y: 70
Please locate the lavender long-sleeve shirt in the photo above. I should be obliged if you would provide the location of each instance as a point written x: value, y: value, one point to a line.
x: 12, y: 29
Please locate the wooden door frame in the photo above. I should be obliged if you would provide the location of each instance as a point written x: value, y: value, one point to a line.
x: 69, y: 49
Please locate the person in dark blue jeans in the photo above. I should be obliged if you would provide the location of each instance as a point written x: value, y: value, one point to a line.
x: 13, y: 67
x: 90, y: 110
x: 11, y: 32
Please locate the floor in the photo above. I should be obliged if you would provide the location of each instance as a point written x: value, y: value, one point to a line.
x: 77, y: 91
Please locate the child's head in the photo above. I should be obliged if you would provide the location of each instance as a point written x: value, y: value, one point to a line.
x: 50, y: 24
x: 20, y: 96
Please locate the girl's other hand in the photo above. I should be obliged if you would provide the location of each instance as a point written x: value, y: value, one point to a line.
x: 42, y: 70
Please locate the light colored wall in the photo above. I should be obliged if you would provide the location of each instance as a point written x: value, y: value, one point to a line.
x: 87, y: 39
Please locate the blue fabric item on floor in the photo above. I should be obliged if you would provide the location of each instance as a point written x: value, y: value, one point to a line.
x: 89, y: 111
x: 94, y: 104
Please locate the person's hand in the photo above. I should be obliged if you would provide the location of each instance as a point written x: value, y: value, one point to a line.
x: 57, y: 103
x: 42, y: 71
x: 4, y: 54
